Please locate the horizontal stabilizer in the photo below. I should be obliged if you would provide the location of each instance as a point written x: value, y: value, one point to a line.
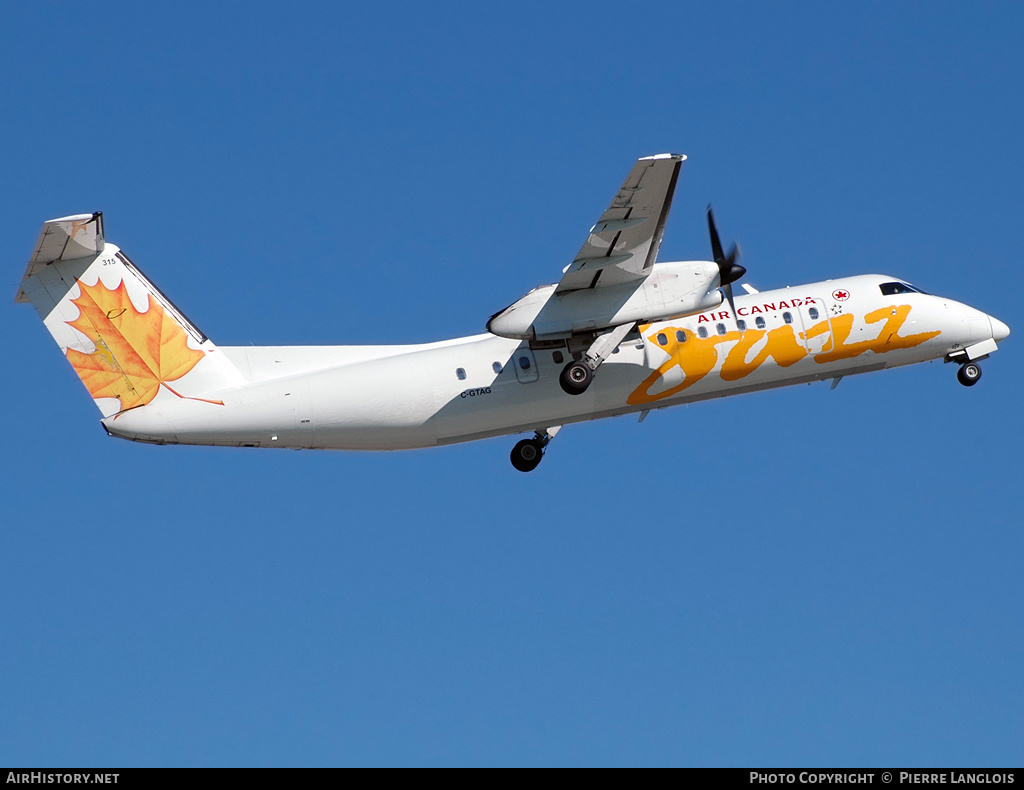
x: 64, y: 239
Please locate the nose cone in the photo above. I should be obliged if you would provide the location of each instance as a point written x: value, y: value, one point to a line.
x: 1000, y: 331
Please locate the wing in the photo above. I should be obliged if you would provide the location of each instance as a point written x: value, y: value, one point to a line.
x: 64, y: 239
x: 623, y: 245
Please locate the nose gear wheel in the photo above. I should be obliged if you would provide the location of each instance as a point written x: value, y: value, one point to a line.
x: 969, y: 374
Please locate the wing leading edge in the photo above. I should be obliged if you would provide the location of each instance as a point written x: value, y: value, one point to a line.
x: 623, y: 244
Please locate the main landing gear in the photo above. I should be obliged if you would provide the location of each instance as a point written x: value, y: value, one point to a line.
x: 969, y: 374
x: 526, y: 455
x: 577, y: 375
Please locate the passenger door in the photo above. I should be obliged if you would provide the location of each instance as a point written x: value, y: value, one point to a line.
x: 814, y: 315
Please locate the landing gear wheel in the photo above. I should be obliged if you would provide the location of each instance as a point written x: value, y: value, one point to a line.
x: 527, y: 454
x: 576, y: 377
x: 969, y: 374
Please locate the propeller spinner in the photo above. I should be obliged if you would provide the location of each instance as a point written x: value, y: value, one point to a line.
x: 728, y: 270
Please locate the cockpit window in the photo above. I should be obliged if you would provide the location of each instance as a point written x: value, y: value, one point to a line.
x: 891, y: 289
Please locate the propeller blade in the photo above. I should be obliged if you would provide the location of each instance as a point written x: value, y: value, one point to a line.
x: 727, y: 290
x: 716, y: 245
x: 728, y: 270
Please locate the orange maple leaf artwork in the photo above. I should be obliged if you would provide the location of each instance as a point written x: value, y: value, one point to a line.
x: 136, y: 352
x: 79, y: 226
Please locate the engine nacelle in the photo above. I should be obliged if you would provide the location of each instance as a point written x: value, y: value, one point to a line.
x: 671, y: 290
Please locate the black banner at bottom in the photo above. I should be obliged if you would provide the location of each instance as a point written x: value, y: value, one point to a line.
x: 752, y: 776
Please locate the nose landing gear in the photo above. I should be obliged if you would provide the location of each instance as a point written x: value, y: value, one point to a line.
x: 969, y: 374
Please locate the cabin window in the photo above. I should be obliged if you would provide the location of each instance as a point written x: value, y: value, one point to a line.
x: 662, y: 339
x: 524, y: 362
x: 557, y: 356
x: 460, y: 373
x: 759, y: 322
x: 496, y: 367
x: 741, y: 324
x: 813, y: 313
x: 787, y: 317
x: 680, y: 335
x: 720, y: 328
x: 702, y: 331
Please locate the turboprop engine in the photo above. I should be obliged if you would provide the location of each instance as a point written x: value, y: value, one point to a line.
x: 670, y: 291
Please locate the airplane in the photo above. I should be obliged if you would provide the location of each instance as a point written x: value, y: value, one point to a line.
x: 619, y: 333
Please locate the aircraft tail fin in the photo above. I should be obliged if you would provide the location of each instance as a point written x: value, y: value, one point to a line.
x: 127, y: 342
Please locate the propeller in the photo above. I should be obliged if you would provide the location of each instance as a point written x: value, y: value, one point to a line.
x: 728, y: 270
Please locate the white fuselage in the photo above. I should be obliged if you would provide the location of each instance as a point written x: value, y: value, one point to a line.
x: 398, y: 397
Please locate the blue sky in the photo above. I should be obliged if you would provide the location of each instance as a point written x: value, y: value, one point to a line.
x: 801, y: 577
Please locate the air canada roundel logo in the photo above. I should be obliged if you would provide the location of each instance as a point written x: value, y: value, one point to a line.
x: 840, y: 294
